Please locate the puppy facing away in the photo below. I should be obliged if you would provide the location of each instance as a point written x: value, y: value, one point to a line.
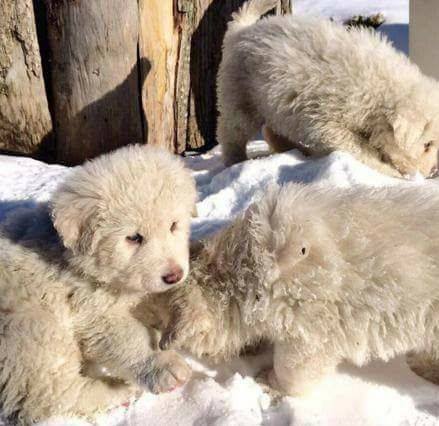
x: 71, y: 274
x: 318, y: 87
x: 326, y: 275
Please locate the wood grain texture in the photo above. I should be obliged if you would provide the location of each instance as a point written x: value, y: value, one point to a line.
x: 94, y: 75
x: 179, y: 94
x: 25, y: 122
x: 158, y: 46
x: 110, y: 81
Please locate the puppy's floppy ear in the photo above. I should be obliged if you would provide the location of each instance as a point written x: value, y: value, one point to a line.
x: 400, y: 140
x: 288, y: 229
x: 75, y: 218
x: 408, y: 127
x: 293, y: 250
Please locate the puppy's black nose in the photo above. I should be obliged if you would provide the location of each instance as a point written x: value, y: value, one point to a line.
x: 174, y: 275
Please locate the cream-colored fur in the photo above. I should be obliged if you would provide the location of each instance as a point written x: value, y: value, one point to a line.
x: 70, y: 280
x: 322, y: 88
x: 325, y: 274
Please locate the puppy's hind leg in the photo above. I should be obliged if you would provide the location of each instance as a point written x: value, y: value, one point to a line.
x: 40, y: 369
x: 425, y: 364
x: 424, y: 360
x: 235, y: 129
x: 296, y: 373
x: 277, y: 143
x: 280, y: 143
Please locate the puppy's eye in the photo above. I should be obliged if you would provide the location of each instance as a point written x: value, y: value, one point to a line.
x: 428, y: 145
x: 303, y: 250
x: 135, y: 238
x: 173, y: 227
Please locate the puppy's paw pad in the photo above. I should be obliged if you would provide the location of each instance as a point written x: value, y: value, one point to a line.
x: 164, y: 382
x: 181, y: 371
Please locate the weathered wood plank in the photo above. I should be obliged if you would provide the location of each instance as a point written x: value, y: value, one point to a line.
x: 158, y: 46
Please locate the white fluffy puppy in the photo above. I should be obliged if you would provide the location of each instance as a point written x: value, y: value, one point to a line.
x: 326, y: 275
x: 319, y: 87
x: 71, y: 274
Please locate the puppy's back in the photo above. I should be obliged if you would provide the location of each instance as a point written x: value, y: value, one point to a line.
x: 315, y: 58
x: 363, y: 238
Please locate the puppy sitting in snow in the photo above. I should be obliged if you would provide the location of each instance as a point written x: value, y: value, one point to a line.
x: 71, y: 275
x: 320, y: 88
x: 326, y: 275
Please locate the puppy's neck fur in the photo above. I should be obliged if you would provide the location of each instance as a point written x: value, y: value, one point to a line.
x: 227, y: 289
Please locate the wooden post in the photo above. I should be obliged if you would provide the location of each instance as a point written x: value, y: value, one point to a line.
x: 95, y: 76
x: 424, y: 35
x: 118, y: 72
x: 25, y: 121
x: 158, y: 48
x: 182, y: 39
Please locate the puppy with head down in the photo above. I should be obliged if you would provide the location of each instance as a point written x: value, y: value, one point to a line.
x: 71, y: 275
x: 319, y: 88
x: 325, y: 275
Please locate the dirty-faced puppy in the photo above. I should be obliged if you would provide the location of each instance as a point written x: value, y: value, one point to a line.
x: 320, y: 88
x: 326, y: 275
x: 70, y: 275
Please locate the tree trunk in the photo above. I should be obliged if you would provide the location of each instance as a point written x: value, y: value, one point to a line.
x: 25, y: 121
x: 109, y: 81
x: 182, y: 41
x: 95, y: 77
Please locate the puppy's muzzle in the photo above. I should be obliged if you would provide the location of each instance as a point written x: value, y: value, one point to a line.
x: 173, y: 276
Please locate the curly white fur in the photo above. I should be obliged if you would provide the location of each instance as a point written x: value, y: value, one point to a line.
x: 325, y: 274
x: 69, y: 285
x: 318, y: 87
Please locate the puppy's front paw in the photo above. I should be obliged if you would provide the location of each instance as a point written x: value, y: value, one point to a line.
x: 164, y: 371
x: 187, y: 331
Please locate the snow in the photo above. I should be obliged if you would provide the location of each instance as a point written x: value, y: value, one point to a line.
x: 377, y: 394
x: 226, y: 192
x: 394, y: 11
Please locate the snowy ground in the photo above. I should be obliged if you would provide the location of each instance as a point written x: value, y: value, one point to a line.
x: 379, y: 394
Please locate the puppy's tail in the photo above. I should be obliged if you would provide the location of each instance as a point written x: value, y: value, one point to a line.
x: 249, y: 13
